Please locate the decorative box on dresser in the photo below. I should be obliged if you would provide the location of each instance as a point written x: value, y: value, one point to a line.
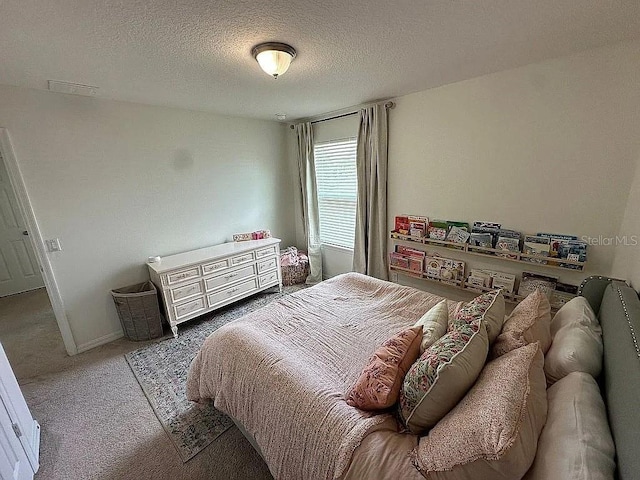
x: 200, y: 281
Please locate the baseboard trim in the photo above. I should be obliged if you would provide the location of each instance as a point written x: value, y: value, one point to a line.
x: 110, y: 337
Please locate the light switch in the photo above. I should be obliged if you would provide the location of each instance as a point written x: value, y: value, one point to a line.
x: 53, y: 245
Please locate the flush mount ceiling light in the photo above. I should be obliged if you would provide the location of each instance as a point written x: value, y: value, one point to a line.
x: 274, y: 57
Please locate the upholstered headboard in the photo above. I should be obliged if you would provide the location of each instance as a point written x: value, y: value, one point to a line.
x: 618, y: 309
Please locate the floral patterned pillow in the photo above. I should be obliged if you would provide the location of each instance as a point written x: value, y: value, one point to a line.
x: 491, y: 305
x: 379, y: 383
x: 446, y: 370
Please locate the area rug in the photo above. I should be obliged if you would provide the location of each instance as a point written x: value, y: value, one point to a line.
x: 161, y: 370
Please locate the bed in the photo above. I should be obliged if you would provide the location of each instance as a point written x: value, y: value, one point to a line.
x: 281, y: 373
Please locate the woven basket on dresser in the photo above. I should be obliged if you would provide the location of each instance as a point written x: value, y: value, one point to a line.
x: 138, y: 310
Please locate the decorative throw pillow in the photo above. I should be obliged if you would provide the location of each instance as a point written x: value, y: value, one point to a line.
x: 448, y: 368
x: 576, y: 311
x: 434, y: 324
x: 575, y: 348
x: 379, y: 383
x: 576, y: 442
x: 492, y: 433
x: 491, y: 305
x: 528, y: 323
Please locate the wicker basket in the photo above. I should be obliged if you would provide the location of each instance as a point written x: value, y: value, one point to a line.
x: 138, y: 310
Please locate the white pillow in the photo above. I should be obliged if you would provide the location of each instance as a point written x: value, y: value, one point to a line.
x: 576, y: 442
x: 577, y: 342
x: 576, y: 311
x: 434, y: 324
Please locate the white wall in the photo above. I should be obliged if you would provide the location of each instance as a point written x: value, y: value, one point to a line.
x: 627, y: 258
x: 547, y: 147
x: 117, y: 182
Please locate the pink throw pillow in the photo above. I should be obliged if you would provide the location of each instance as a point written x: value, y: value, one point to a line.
x: 378, y: 386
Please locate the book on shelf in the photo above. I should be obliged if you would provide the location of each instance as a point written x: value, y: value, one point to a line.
x: 398, y: 260
x: 418, y: 226
x: 401, y: 224
x: 407, y: 262
x: 411, y: 252
x: 508, y: 244
x: 480, y: 278
x: 506, y: 281
x: 555, y: 240
x: 573, y: 250
x: 536, y: 245
x: 563, y: 293
x: 437, y: 230
x: 485, y: 233
x: 477, y: 239
x: 457, y: 235
x: 445, y: 269
x: 487, y: 226
x: 534, y: 281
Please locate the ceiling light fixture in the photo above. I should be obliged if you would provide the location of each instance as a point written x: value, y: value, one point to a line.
x: 274, y: 57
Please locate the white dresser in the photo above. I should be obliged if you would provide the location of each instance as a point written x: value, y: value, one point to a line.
x: 197, y: 282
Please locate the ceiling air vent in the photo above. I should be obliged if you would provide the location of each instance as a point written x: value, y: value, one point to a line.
x: 72, y: 88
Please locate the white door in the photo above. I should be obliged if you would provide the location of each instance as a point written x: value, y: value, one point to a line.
x: 19, y: 270
x: 19, y: 432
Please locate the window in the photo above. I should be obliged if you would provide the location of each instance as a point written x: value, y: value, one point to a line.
x: 337, y: 191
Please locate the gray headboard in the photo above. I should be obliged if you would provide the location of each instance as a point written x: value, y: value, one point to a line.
x: 618, y: 309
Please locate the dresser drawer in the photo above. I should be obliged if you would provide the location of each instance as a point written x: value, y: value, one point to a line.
x: 268, y: 278
x: 231, y: 292
x: 181, y: 276
x: 265, y: 252
x: 214, y: 267
x: 267, y: 265
x: 189, y: 308
x: 185, y: 291
x: 223, y: 279
x: 244, y: 258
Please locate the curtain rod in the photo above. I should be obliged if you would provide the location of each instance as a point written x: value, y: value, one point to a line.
x: 387, y: 105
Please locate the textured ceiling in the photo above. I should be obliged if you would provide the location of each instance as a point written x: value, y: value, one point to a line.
x: 196, y: 53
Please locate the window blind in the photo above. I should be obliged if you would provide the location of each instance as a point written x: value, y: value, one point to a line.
x: 337, y: 191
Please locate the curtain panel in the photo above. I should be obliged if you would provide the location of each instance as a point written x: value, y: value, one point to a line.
x: 309, y: 196
x: 370, y: 249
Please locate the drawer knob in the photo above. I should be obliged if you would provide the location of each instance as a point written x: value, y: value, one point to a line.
x: 231, y: 275
x: 232, y: 291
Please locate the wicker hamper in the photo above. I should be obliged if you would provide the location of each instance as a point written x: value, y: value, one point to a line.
x: 138, y: 310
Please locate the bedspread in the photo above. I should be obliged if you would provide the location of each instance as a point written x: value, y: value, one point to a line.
x: 282, y: 370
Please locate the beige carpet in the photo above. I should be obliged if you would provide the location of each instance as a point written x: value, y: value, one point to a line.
x: 96, y: 422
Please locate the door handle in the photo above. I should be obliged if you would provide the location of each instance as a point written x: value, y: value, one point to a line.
x: 25, y: 233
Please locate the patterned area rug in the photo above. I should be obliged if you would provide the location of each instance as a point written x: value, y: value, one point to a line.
x: 161, y: 370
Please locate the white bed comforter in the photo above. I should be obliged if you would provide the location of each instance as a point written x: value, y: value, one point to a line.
x: 282, y: 372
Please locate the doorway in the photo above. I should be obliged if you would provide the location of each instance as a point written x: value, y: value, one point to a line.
x: 26, y: 276
x: 19, y: 270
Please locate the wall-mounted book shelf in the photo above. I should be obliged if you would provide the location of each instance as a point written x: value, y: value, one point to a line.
x: 497, y: 254
x: 461, y: 285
